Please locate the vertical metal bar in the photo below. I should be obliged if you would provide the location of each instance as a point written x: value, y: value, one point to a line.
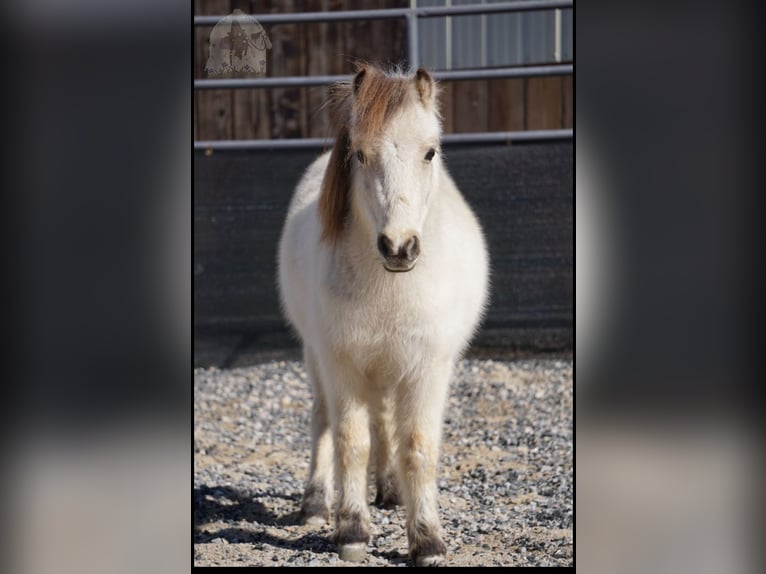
x: 520, y: 21
x: 557, y: 49
x: 483, y: 39
x: 448, y: 37
x: 412, y: 39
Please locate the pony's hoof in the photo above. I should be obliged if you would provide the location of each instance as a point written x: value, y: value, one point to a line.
x: 433, y: 560
x: 430, y: 552
x: 314, y: 510
x: 314, y: 520
x: 388, y: 493
x: 388, y: 499
x: 353, y: 552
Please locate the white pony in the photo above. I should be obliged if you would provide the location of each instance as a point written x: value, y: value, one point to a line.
x: 383, y: 272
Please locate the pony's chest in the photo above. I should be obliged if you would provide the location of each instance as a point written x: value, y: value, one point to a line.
x: 378, y: 339
x: 384, y: 316
x: 383, y: 320
x: 366, y: 310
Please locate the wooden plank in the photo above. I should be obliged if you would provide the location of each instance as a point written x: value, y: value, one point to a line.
x: 246, y: 102
x: 261, y: 98
x: 380, y: 42
x: 392, y: 34
x: 317, y: 63
x: 471, y: 109
x: 195, y: 75
x: 288, y: 105
x: 358, y: 36
x: 336, y: 61
x: 215, y: 121
x: 543, y: 103
x: 567, y: 102
x: 214, y: 107
x: 447, y: 106
x: 332, y: 62
x: 506, y: 104
x: 198, y: 65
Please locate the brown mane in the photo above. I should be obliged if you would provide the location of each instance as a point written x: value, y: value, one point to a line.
x: 360, y: 107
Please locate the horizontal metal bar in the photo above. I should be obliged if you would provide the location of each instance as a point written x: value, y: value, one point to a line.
x: 283, y: 82
x: 495, y: 137
x: 301, y: 143
x: 307, y: 17
x: 448, y: 139
x: 307, y: 81
x: 515, y: 72
x: 421, y: 12
x: 523, y: 6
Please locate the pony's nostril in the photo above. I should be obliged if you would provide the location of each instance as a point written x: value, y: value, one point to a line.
x: 385, y: 246
x: 406, y: 252
x: 411, y: 249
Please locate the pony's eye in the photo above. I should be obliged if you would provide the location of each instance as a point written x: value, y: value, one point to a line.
x: 430, y: 154
x: 360, y: 157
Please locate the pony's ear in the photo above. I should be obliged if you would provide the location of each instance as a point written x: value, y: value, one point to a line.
x: 358, y: 79
x: 424, y: 84
x: 333, y: 200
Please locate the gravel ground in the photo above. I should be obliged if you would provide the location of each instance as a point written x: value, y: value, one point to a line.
x: 505, y: 474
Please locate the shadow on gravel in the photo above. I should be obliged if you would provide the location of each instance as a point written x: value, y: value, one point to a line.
x: 226, y: 504
x: 312, y: 542
x: 223, y: 503
x: 393, y: 556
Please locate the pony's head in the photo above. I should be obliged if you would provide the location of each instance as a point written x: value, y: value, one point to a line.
x: 386, y: 156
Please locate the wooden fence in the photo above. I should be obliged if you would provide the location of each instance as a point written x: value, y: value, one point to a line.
x: 332, y: 48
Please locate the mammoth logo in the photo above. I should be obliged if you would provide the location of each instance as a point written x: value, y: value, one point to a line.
x: 238, y: 45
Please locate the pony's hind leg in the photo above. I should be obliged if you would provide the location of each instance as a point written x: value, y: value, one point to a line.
x: 385, y: 454
x: 317, y: 498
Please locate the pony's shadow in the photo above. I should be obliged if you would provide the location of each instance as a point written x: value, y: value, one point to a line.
x: 226, y: 504
x: 393, y: 556
x: 223, y: 503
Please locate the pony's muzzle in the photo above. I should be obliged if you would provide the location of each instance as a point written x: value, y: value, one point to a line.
x: 398, y: 258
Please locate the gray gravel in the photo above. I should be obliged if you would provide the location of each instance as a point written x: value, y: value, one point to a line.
x: 505, y: 475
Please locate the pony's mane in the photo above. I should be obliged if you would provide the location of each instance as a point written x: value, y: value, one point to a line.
x: 363, y: 105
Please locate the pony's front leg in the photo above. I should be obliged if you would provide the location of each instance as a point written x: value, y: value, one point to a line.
x: 317, y: 498
x: 352, y: 451
x: 419, y: 413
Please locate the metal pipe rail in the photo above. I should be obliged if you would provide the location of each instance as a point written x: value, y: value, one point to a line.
x: 393, y: 13
x: 448, y: 139
x: 309, y: 81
